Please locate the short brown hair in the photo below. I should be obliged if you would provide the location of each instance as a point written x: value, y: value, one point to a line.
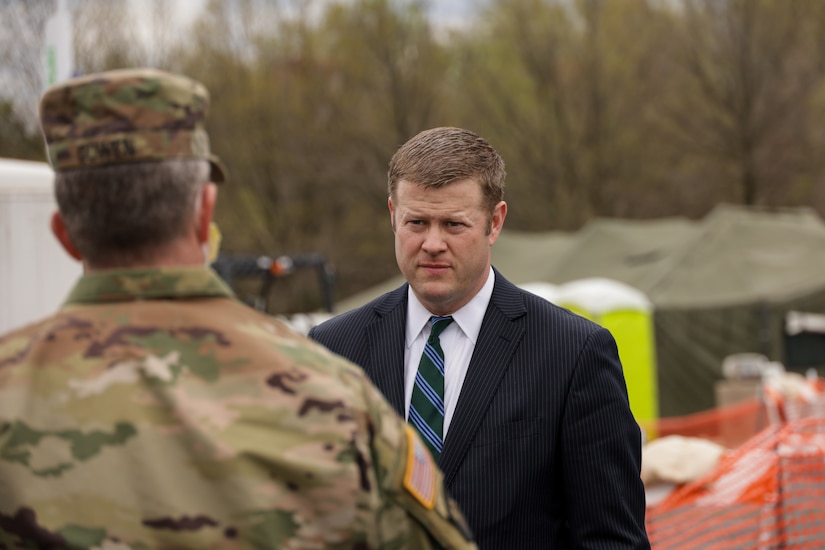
x: 444, y: 155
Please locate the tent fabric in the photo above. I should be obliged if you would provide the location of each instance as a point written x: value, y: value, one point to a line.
x: 742, y: 256
x: 526, y: 255
x: 735, y: 255
x: 638, y: 253
x: 718, y: 286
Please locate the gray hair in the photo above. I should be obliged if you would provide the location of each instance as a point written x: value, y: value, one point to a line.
x: 121, y: 214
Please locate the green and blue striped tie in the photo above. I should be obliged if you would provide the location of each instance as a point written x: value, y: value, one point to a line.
x: 427, y: 403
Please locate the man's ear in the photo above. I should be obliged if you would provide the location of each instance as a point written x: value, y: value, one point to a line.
x: 392, y: 213
x: 209, y: 196
x: 497, y: 221
x: 62, y: 234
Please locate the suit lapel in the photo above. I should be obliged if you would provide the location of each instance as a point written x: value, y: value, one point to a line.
x: 501, y: 333
x: 386, y: 337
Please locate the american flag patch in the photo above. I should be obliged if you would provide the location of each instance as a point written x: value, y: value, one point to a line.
x: 419, y: 478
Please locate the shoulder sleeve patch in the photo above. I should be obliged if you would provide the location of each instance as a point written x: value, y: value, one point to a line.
x: 419, y: 477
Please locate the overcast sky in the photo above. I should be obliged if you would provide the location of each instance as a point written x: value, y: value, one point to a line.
x: 447, y: 12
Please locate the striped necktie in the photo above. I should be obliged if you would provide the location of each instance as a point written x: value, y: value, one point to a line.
x: 427, y: 403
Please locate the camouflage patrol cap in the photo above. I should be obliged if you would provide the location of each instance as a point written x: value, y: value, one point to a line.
x: 124, y: 116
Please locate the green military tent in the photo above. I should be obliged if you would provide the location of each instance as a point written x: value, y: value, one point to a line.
x: 725, y: 284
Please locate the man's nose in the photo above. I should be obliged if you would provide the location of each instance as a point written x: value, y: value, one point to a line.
x: 434, y: 240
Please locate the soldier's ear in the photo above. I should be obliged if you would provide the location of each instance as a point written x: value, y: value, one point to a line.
x: 62, y: 234
x: 208, y: 197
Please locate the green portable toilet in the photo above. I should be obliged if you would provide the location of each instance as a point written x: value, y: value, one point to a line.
x: 628, y: 314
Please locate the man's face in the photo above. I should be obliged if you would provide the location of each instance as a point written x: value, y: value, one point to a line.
x: 442, y: 242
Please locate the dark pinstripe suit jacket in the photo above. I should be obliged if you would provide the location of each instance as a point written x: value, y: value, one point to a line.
x: 542, y: 451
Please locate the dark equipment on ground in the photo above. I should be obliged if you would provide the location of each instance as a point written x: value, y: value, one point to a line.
x: 271, y: 268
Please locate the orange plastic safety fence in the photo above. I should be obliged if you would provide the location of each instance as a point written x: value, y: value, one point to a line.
x: 767, y: 494
x: 729, y: 426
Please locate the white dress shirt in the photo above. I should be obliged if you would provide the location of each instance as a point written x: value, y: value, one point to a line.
x: 458, y: 341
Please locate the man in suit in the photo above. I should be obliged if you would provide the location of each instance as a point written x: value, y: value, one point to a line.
x: 533, y: 429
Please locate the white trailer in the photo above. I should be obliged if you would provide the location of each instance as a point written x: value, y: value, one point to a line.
x: 36, y: 274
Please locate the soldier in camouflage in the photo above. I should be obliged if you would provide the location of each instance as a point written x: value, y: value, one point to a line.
x: 154, y: 410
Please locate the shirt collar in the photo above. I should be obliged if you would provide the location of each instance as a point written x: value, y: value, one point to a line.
x: 468, y: 318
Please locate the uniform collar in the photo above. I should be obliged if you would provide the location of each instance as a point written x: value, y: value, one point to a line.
x: 125, y: 285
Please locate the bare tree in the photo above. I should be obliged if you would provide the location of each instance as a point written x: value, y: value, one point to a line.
x: 743, y: 85
x: 21, y: 67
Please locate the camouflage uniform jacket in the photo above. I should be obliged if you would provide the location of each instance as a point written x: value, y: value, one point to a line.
x: 154, y: 410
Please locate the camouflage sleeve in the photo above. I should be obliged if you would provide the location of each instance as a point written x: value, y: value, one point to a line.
x: 410, y: 480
